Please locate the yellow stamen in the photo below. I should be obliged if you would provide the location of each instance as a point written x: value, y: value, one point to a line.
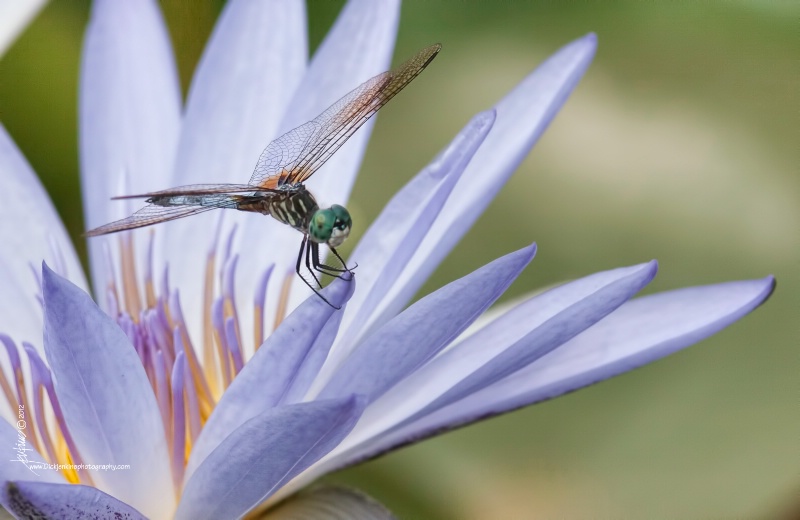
x: 283, y: 302
x: 224, y: 361
x: 258, y: 327
x: 133, y: 303
x: 9, y: 393
x: 64, y: 457
x: 149, y: 289
x: 31, y: 436
x: 206, y: 401
x: 212, y: 376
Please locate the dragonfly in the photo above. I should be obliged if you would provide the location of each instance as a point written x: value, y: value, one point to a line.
x: 276, y: 187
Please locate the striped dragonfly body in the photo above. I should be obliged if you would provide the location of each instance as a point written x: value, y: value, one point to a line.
x: 294, y: 206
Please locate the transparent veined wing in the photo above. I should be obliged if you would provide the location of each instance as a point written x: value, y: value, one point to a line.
x: 209, y: 196
x: 155, y: 214
x: 297, y: 154
x: 199, y: 190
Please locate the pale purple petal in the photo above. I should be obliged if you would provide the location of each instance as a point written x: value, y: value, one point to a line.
x: 511, y: 342
x: 412, y: 338
x: 394, y: 236
x: 249, y: 71
x: 31, y: 231
x: 522, y: 117
x: 317, y: 354
x: 20, y: 454
x: 46, y: 500
x: 566, y: 323
x: 265, y: 453
x: 266, y: 378
x: 641, y: 331
x: 329, y: 503
x: 95, y: 371
x: 358, y: 46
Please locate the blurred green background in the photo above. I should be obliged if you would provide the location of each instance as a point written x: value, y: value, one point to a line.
x: 681, y: 144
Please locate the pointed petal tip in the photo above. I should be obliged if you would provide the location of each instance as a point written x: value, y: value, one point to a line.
x: 650, y: 270
x: 770, y: 284
x: 524, y: 255
x: 352, y: 404
x: 357, y: 402
x: 340, y: 290
x: 653, y: 266
x: 586, y: 45
x: 50, y: 278
x: 484, y: 119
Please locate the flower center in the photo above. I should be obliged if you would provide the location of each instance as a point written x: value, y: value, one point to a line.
x: 186, y: 387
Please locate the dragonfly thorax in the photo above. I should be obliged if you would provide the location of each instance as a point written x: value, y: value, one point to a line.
x: 296, y: 207
x: 330, y: 226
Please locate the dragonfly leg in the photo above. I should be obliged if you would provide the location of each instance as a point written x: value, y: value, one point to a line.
x: 312, y: 253
x: 348, y: 269
x: 304, y: 250
x: 328, y: 269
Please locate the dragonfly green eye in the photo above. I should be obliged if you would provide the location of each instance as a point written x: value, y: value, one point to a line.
x: 330, y: 225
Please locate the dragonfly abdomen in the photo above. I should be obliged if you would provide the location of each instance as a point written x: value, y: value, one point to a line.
x: 189, y: 200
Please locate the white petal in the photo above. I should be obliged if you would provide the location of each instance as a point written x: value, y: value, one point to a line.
x: 129, y: 115
x: 15, y: 15
x: 30, y: 231
x: 248, y: 72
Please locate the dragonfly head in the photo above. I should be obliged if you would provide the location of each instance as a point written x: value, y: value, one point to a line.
x: 331, y: 225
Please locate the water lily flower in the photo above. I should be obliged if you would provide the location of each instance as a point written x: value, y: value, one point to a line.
x: 212, y: 384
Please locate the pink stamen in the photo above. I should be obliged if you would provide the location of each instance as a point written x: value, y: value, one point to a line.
x: 178, y: 421
x: 38, y: 374
x: 229, y: 295
x: 163, y: 396
x: 229, y: 245
x: 149, y: 289
x: 47, y: 381
x: 192, y: 405
x: 7, y: 390
x: 233, y: 345
x: 258, y: 307
x: 159, y: 335
x: 19, y: 383
x: 218, y: 320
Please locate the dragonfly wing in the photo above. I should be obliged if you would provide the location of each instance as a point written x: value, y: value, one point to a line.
x: 281, y: 155
x: 153, y: 214
x: 296, y: 155
x: 200, y: 189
